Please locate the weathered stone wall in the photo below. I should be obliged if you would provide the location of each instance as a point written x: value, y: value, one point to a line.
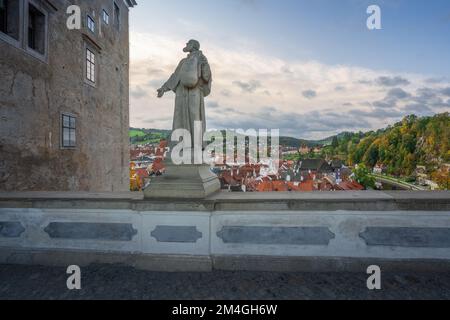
x: 34, y: 93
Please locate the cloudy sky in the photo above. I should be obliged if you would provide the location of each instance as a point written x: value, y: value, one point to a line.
x: 310, y: 68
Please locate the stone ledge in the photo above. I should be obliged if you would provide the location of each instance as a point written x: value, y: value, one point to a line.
x: 97, y: 196
x: 180, y: 263
x: 225, y: 201
x: 65, y: 258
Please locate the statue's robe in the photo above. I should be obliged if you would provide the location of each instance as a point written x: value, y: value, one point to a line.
x: 189, y: 102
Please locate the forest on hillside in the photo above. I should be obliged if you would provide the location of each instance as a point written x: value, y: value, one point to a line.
x: 400, y: 148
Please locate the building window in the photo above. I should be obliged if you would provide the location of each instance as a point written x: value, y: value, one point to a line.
x: 24, y: 24
x: 91, y: 24
x: 105, y: 17
x: 69, y: 128
x: 10, y: 18
x: 36, y: 29
x: 90, y: 65
x: 116, y: 16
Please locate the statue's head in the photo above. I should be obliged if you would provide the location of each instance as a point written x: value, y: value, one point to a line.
x: 192, y: 46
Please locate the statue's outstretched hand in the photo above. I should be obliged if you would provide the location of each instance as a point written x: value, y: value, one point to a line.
x: 161, y: 92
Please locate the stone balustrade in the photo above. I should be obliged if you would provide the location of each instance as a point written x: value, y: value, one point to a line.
x: 229, y: 231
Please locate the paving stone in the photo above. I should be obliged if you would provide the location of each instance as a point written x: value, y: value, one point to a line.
x: 119, y: 282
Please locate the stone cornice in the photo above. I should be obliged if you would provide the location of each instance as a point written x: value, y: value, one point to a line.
x: 224, y: 201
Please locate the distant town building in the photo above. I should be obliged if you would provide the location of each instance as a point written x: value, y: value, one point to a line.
x: 425, y: 179
x: 336, y: 165
x: 304, y: 150
x: 64, y: 106
x: 306, y: 176
x: 314, y: 165
x: 379, y: 168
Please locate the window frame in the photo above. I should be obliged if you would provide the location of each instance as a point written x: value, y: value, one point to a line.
x: 10, y: 40
x: 90, y: 22
x: 105, y: 13
x: 87, y: 80
x: 71, y: 129
x: 90, y: 65
x: 39, y: 7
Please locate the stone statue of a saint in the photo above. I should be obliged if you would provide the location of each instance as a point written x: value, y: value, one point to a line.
x: 191, y: 83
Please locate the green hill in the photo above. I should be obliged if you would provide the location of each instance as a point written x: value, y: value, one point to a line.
x: 297, y: 143
x: 153, y: 136
x: 146, y: 136
x: 328, y: 141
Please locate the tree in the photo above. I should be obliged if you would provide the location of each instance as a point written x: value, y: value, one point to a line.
x: 363, y: 177
x: 335, y: 142
x: 371, y: 156
x: 442, y: 177
x: 409, y: 142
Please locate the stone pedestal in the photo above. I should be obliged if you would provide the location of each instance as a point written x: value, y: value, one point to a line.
x: 183, y: 182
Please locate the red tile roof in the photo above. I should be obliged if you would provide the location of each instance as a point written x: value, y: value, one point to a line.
x: 158, y: 166
x: 350, y: 185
